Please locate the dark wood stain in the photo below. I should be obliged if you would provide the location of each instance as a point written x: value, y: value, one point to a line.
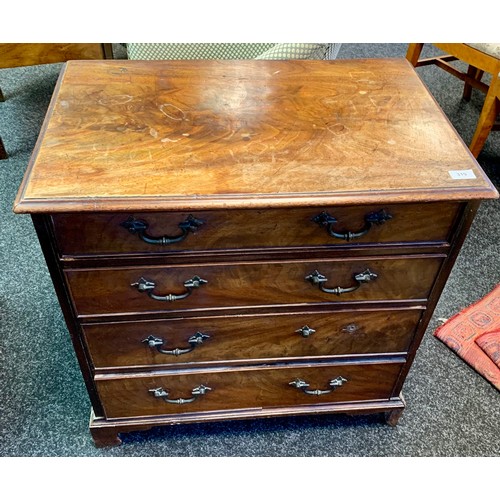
x: 255, y: 150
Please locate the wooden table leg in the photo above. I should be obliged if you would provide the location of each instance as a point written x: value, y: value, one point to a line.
x: 392, y: 417
x: 105, y: 436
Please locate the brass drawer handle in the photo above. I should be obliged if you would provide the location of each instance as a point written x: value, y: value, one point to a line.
x: 139, y: 227
x: 196, y: 393
x: 194, y: 341
x: 324, y: 219
x: 318, y: 279
x: 143, y: 285
x: 303, y: 386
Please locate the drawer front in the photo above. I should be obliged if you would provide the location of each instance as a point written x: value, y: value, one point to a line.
x: 216, y: 339
x: 246, y: 388
x: 118, y: 290
x: 109, y: 234
x: 223, y: 339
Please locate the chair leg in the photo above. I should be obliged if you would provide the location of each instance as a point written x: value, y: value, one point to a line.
x: 474, y: 73
x: 413, y: 52
x: 487, y: 117
x: 3, y: 152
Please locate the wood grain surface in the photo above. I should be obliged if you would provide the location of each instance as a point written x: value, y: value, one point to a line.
x: 244, y: 285
x: 27, y: 54
x: 218, y: 134
x: 246, y: 388
x: 103, y: 234
x: 272, y: 336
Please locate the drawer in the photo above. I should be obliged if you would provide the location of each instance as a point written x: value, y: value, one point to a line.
x: 213, y: 340
x: 142, y: 233
x: 236, y: 285
x: 237, y: 389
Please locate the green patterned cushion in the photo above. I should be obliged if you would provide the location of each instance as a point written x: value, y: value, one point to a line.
x: 296, y: 51
x: 196, y: 50
x: 152, y: 51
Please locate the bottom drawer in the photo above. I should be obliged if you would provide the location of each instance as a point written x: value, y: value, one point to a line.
x: 246, y: 388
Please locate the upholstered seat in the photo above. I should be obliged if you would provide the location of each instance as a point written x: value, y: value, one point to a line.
x: 165, y: 51
x: 493, y: 49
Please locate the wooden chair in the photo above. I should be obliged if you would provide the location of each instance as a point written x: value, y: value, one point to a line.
x: 28, y: 54
x: 481, y: 58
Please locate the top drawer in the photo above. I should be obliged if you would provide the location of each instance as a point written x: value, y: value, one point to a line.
x: 165, y: 232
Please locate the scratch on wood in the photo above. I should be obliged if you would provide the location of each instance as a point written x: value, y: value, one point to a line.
x: 115, y: 99
x: 337, y: 129
x: 175, y: 108
x: 375, y: 105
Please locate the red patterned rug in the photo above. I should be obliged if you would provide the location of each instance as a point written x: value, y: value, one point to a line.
x: 474, y: 335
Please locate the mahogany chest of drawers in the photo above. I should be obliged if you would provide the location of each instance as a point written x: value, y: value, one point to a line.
x: 240, y: 239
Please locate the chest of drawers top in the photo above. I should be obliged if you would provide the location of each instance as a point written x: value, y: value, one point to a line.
x: 187, y: 135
